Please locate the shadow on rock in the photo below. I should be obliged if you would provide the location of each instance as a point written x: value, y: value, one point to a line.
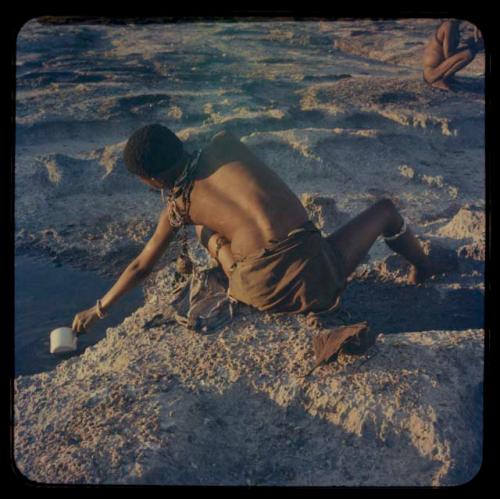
x: 393, y: 308
x: 470, y: 85
x: 242, y: 437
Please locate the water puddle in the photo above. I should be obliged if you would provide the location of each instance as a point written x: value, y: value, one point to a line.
x: 47, y: 297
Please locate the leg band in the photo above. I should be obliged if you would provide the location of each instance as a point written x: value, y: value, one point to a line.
x: 399, y: 234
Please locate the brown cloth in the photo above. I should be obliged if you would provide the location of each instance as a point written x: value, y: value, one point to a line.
x: 353, y: 339
x: 202, y: 303
x: 301, y: 273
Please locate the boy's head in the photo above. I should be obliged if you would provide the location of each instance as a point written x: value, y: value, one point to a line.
x: 153, y: 151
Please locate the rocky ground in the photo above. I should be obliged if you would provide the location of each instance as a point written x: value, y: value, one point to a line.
x: 340, y: 111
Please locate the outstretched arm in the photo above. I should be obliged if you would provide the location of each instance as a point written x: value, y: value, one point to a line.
x: 135, y: 272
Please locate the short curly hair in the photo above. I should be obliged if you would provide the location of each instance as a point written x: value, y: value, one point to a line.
x: 152, y: 150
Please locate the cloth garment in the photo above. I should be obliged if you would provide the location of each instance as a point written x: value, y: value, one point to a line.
x: 353, y: 339
x: 202, y: 302
x: 301, y: 273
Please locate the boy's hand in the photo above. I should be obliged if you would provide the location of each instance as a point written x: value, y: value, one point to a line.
x: 84, y: 319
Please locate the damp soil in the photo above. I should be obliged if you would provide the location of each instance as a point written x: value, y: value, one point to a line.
x: 48, y: 296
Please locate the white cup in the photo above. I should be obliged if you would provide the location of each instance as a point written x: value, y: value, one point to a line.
x: 63, y: 339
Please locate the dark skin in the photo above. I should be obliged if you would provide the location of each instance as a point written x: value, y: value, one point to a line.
x: 443, y: 57
x: 237, y: 197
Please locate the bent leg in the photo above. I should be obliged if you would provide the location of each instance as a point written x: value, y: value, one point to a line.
x: 353, y: 240
x: 217, y: 246
x: 448, y: 67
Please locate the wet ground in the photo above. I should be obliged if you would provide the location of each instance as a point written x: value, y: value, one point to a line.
x: 48, y: 297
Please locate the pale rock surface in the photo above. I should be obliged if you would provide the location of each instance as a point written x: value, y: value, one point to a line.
x: 340, y: 111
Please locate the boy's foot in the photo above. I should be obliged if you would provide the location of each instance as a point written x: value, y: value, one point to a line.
x: 419, y: 274
x: 441, y: 85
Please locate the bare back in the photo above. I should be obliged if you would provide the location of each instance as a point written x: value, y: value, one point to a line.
x: 235, y: 194
x: 442, y: 44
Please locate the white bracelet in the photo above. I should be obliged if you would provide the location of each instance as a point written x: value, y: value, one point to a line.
x: 399, y: 234
x: 100, y: 312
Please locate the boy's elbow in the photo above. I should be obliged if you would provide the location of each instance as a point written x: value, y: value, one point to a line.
x: 142, y: 273
x: 140, y: 270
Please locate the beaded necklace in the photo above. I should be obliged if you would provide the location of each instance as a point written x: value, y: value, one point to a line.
x: 183, y: 186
